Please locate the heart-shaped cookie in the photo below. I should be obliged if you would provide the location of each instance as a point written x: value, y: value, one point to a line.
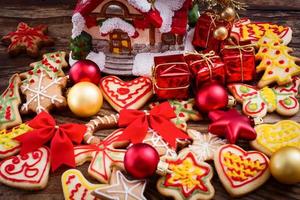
x: 271, y: 137
x: 75, y: 186
x: 131, y: 94
x: 29, y: 171
x: 241, y: 171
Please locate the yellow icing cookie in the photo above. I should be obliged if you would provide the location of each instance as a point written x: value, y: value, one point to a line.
x: 75, y: 186
x: 9, y: 146
x: 276, y: 62
x: 271, y: 137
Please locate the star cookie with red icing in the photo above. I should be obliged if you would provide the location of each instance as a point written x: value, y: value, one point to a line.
x: 187, y: 178
x: 28, y: 39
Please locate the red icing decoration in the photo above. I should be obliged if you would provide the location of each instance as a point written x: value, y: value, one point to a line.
x: 245, y: 154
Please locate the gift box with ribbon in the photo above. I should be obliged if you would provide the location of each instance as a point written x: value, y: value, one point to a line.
x: 204, y: 31
x: 171, y: 77
x: 205, y: 67
x: 239, y: 59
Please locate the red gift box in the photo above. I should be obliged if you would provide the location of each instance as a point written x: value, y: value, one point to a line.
x: 206, y: 67
x: 204, y: 31
x: 239, y: 60
x: 171, y: 77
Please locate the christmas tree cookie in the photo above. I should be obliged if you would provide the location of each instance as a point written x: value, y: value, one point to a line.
x: 9, y: 103
x: 276, y: 62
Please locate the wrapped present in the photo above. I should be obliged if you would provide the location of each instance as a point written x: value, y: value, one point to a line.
x: 203, y: 35
x: 171, y: 77
x: 239, y: 59
x: 205, y: 67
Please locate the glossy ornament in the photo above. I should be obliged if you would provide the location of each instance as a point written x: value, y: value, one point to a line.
x: 85, y: 71
x: 285, y: 165
x: 141, y: 160
x: 221, y: 33
x: 211, y: 96
x: 85, y: 99
x: 231, y: 124
x: 228, y: 14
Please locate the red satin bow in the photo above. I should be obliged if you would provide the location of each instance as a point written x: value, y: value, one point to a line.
x: 62, y: 136
x: 158, y: 119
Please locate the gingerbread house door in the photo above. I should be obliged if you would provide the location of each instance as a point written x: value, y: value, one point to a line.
x: 119, y: 42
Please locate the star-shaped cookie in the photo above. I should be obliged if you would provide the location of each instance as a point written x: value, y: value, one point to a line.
x: 276, y: 62
x: 121, y: 188
x: 231, y: 124
x: 28, y: 39
x: 204, y: 145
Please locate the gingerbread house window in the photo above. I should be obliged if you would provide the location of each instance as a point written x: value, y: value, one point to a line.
x: 114, y: 10
x: 168, y: 39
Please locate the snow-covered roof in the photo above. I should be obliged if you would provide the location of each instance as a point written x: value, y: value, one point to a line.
x: 173, y: 13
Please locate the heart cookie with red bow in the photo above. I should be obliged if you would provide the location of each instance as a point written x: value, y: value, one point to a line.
x: 241, y: 171
x: 29, y: 171
x: 131, y: 94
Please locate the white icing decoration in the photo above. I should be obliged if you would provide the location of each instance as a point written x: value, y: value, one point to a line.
x: 78, y: 22
x: 40, y: 93
x: 157, y: 142
x: 117, y: 23
x: 127, y: 189
x: 204, y: 145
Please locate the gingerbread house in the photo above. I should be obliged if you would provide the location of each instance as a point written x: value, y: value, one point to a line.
x: 122, y: 29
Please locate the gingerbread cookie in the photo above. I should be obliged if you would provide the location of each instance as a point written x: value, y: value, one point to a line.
x: 75, y: 186
x: 155, y: 140
x: 43, y: 94
x: 121, y: 188
x: 29, y: 171
x: 241, y: 171
x: 52, y: 64
x: 272, y: 137
x: 131, y: 94
x: 9, y: 146
x: 187, y: 178
x: 102, y: 156
x: 244, y: 29
x: 204, y: 145
x: 257, y: 103
x: 9, y: 103
x: 276, y: 62
x: 27, y: 39
x: 184, y: 111
x: 98, y: 123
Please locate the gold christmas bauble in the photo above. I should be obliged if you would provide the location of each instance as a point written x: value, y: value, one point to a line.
x: 85, y: 99
x: 228, y: 14
x: 221, y: 33
x: 285, y: 165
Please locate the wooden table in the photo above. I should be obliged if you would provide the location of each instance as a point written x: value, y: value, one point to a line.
x: 56, y: 13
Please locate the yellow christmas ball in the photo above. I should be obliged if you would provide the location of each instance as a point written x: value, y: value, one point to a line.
x: 285, y: 165
x: 228, y: 14
x: 221, y: 33
x: 85, y: 99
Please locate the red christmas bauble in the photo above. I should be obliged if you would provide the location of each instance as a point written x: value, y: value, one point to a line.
x: 141, y: 160
x: 85, y: 71
x: 211, y: 96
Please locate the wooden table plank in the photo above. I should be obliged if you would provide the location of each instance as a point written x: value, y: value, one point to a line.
x: 57, y: 14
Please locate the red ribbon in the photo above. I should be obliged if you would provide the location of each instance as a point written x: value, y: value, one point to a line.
x: 138, y: 122
x: 62, y: 136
